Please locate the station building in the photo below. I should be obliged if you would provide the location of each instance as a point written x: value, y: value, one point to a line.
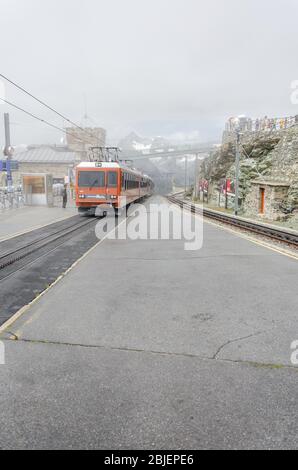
x: 57, y: 161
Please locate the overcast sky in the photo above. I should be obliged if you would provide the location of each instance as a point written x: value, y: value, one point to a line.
x: 158, y: 67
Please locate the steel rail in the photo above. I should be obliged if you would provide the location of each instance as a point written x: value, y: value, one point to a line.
x: 7, y: 259
x: 279, y: 234
x: 8, y: 253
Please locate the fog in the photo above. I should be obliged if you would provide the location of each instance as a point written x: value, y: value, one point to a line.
x: 166, y: 67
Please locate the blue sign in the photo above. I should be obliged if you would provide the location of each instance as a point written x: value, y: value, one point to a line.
x: 9, y: 165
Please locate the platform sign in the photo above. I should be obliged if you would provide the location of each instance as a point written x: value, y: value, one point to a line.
x: 9, y: 165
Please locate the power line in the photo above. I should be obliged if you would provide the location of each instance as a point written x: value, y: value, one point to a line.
x: 41, y: 119
x: 46, y: 105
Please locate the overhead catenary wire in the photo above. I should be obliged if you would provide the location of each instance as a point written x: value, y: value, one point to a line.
x: 46, y: 105
x: 40, y: 119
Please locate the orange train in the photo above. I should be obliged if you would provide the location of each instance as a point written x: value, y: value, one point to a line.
x: 103, y: 187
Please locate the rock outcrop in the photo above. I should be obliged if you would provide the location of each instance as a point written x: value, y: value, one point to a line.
x: 265, y: 156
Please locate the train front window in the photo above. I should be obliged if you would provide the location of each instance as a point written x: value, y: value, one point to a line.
x: 112, y: 179
x: 91, y: 179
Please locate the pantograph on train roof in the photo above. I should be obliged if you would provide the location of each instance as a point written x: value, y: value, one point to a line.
x: 104, y: 154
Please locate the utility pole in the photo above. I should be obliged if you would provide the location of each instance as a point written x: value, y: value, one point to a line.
x: 196, y: 177
x: 237, y: 172
x: 7, y: 149
x: 186, y: 173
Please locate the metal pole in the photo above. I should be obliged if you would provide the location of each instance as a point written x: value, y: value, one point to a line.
x: 7, y: 149
x: 237, y: 173
x: 196, y: 177
x: 186, y: 173
x: 7, y: 131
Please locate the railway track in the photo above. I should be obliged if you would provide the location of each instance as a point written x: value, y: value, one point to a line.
x: 31, y: 262
x: 59, y: 235
x: 286, y: 236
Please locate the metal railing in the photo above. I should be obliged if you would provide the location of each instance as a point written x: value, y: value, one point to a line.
x: 11, y: 199
x: 261, y: 124
x: 287, y: 236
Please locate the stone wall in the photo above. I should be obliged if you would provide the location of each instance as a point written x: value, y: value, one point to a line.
x: 269, y: 156
x: 80, y: 140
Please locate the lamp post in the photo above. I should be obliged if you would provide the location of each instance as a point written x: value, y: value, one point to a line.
x: 237, y: 173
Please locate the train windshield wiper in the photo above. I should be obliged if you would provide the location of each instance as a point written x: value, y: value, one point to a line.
x: 93, y: 184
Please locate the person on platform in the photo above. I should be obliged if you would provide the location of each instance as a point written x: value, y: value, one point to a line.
x: 64, y: 196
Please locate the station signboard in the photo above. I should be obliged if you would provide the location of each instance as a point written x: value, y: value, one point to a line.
x: 9, y: 165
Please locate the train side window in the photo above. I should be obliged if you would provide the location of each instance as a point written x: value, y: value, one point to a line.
x: 112, y: 179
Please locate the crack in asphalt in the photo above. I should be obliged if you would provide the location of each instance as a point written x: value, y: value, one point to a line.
x: 13, y: 337
x: 231, y: 341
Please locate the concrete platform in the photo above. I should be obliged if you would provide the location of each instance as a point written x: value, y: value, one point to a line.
x: 144, y: 345
x: 16, y: 221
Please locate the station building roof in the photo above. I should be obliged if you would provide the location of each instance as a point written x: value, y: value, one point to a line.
x: 46, y: 154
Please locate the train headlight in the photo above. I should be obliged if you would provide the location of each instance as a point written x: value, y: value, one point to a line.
x: 113, y: 197
x: 82, y: 196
